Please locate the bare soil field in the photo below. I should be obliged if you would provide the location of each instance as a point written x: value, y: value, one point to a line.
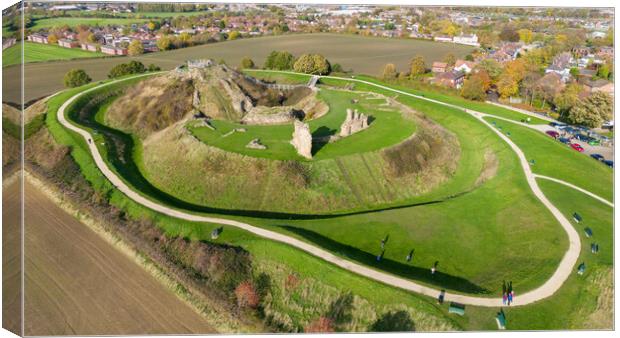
x: 76, y: 283
x: 365, y: 55
x: 11, y: 262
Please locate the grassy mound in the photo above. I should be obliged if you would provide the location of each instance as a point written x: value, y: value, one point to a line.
x: 182, y: 166
x: 151, y: 105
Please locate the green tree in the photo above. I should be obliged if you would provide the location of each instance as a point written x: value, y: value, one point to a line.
x: 473, y: 89
x: 246, y: 62
x: 593, y: 111
x: 526, y: 35
x: 279, y: 60
x: 568, y: 98
x: 603, y: 71
x: 135, y: 48
x: 393, y: 321
x: 153, y: 68
x: 507, y: 86
x: 337, y: 68
x: 450, y: 59
x: 76, y: 78
x: 52, y: 39
x: 389, y: 72
x: 234, y: 35
x: 164, y: 43
x: 417, y: 66
x: 312, y: 64
x: 492, y: 67
x: 509, y: 34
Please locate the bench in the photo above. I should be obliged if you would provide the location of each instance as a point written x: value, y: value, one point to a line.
x: 457, y: 308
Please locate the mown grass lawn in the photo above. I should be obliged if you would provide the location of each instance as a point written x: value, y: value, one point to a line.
x: 572, y: 306
x: 465, y: 234
x: 496, y: 232
x: 37, y: 52
x: 557, y: 160
x: 387, y: 127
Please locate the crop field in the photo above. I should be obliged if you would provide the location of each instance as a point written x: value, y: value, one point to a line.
x: 365, y: 55
x: 482, y: 226
x: 88, y: 273
x: 37, y: 52
x: 75, y: 21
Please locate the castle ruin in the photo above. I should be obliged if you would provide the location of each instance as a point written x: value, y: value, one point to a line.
x: 302, y: 139
x: 354, y: 123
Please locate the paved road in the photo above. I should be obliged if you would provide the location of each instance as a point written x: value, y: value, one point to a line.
x: 546, y: 290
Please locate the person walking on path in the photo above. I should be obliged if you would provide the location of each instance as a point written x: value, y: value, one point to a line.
x: 504, y: 298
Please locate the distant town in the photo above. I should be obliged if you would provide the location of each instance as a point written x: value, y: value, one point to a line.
x: 543, y: 51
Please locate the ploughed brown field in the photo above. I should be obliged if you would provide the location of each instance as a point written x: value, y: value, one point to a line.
x: 11, y: 261
x: 77, y: 283
x: 365, y: 55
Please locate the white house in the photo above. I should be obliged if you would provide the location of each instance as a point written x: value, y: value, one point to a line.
x: 468, y: 39
x: 464, y: 66
x: 443, y: 38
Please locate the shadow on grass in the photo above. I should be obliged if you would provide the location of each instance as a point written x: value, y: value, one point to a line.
x: 423, y: 274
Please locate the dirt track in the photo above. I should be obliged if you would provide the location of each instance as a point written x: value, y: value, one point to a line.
x: 77, y: 283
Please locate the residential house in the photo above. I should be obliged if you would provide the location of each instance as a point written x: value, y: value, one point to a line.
x: 464, y: 66
x: 439, y: 67
x: 68, y: 43
x: 113, y: 50
x: 600, y: 85
x: 468, y: 39
x: 442, y: 38
x: 551, y: 84
x: 452, y: 79
x: 581, y: 52
x: 561, y: 65
x: 91, y: 47
x: 38, y: 38
x: 586, y: 74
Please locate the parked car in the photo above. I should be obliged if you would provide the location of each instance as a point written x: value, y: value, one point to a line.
x: 594, y: 142
x: 552, y: 133
x: 598, y: 157
x: 558, y: 125
x: 577, y: 147
x: 564, y: 140
x: 609, y: 163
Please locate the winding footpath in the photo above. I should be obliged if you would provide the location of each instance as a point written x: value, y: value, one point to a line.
x: 546, y: 290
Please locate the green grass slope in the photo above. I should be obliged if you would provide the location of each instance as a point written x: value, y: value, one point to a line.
x: 557, y: 160
x: 37, y: 52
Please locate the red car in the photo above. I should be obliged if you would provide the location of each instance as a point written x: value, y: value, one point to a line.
x: 553, y: 133
x: 577, y: 147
